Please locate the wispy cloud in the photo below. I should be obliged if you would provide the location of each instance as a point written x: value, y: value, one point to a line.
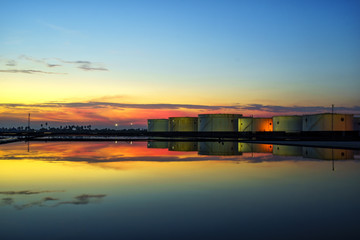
x: 32, y: 59
x: 285, y: 109
x: 252, y: 107
x: 85, y: 65
x: 44, y: 61
x: 28, y: 71
x: 11, y: 63
x: 52, y: 63
x: 60, y: 28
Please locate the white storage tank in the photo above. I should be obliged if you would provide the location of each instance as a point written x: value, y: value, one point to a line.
x: 328, y: 122
x: 245, y: 124
x: 287, y: 123
x: 262, y: 125
x: 183, y: 124
x: 356, y: 123
x: 218, y: 122
x: 158, y: 125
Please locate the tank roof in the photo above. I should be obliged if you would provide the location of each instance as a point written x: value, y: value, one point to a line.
x: 220, y: 115
x: 315, y: 114
x: 182, y: 117
x: 287, y: 116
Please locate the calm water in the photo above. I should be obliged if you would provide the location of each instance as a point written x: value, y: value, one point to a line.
x: 160, y: 190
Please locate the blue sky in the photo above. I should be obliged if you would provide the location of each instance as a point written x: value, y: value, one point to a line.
x: 182, y: 52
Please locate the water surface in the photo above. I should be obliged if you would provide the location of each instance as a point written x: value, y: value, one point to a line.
x: 177, y: 190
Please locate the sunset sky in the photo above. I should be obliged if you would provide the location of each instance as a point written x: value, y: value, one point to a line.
x: 108, y: 62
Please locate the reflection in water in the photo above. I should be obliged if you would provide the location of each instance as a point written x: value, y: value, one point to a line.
x: 327, y: 153
x: 94, y: 152
x: 104, y: 190
x: 218, y: 148
x: 157, y: 144
x: 255, y: 148
x: 183, y: 146
x: 44, y: 201
x: 283, y: 150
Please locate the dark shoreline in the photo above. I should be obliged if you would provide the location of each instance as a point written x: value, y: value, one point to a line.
x: 351, y: 145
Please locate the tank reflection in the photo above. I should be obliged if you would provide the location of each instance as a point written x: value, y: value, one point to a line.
x: 92, y: 152
x: 157, y: 144
x: 183, y: 146
x: 284, y: 150
x: 255, y: 148
x: 219, y: 148
x: 327, y: 153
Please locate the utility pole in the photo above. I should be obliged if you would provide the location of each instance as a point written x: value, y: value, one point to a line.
x: 28, y: 123
x: 332, y: 117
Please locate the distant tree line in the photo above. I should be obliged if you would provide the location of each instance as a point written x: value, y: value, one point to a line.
x: 67, y: 129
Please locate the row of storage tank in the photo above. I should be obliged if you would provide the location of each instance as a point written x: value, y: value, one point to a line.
x: 238, y: 148
x: 237, y: 122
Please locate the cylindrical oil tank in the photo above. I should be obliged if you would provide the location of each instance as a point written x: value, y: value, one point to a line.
x: 356, y: 124
x: 219, y: 148
x: 158, y: 125
x: 157, y: 144
x: 262, y: 125
x: 287, y: 123
x: 284, y: 150
x: 218, y: 122
x: 183, y: 124
x: 245, y: 124
x: 328, y: 122
x: 183, y: 146
x: 327, y: 153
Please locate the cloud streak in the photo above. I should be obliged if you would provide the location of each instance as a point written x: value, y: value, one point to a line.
x: 28, y: 71
x: 11, y: 63
x: 49, y: 62
x: 85, y: 65
x: 60, y: 28
x: 251, y: 107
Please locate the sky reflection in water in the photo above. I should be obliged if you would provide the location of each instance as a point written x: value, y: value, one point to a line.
x: 71, y: 190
